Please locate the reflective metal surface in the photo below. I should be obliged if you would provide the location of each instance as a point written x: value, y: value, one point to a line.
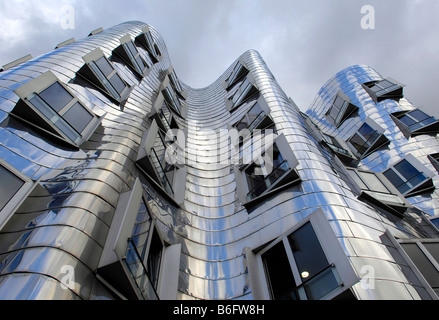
x: 68, y: 225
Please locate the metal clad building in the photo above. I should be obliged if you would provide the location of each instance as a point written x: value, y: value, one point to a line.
x: 118, y: 181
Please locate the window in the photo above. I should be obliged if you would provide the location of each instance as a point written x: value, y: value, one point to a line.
x: 434, y: 159
x: 410, y: 177
x: 384, y: 89
x: 147, y: 41
x: 256, y: 118
x: 339, y: 148
x: 265, y: 166
x: 374, y: 187
x: 128, y: 52
x: 305, y: 263
x: 100, y: 72
x: 176, y: 85
x: 416, y: 122
x: 244, y: 92
x: 425, y: 255
x: 48, y: 104
x: 171, y: 99
x: 159, y: 158
x: 14, y: 188
x: 135, y: 261
x: 238, y: 73
x: 367, y: 139
x: 341, y: 110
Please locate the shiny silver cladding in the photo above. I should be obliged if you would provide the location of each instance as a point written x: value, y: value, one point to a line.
x: 68, y: 224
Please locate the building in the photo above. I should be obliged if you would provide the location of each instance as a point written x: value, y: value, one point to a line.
x: 118, y: 181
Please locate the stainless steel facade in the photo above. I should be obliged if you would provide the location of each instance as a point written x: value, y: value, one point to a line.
x: 67, y: 217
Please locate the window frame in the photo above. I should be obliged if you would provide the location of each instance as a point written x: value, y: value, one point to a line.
x: 94, y: 75
x: 238, y: 73
x: 148, y: 42
x: 19, y: 197
x: 243, y: 92
x: 414, y: 190
x: 398, y: 205
x: 124, y: 52
x: 387, y: 92
x: 346, y: 111
x: 243, y: 187
x: 379, y: 142
x: 330, y: 245
x: 407, y: 130
x: 33, y: 89
x: 146, y: 163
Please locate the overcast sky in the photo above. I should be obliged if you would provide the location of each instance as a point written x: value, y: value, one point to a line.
x: 304, y: 43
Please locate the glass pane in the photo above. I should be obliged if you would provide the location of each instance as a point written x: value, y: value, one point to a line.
x: 308, y: 254
x: 117, y: 83
x: 132, y: 48
x: 279, y: 274
x: 422, y: 263
x: 396, y: 181
x: 104, y: 66
x: 62, y: 125
x: 9, y: 186
x: 408, y: 120
x: 56, y: 96
x: 78, y: 117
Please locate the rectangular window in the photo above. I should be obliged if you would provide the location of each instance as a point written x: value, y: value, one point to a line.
x: 417, y: 122
x: 384, y: 89
x: 246, y: 92
x: 297, y: 268
x: 424, y: 254
x: 278, y: 273
x: 368, y: 138
x: 10, y: 184
x: 171, y: 99
x: 50, y: 105
x: 341, y: 110
x: 238, y: 73
x: 373, y: 186
x: 109, y: 77
x: 408, y: 179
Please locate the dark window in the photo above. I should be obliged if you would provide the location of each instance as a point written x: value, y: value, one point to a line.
x: 365, y: 138
x: 154, y: 258
x: 56, y: 96
x: 117, y: 83
x: 104, y: 66
x: 278, y: 272
x: 10, y: 184
x: 404, y: 176
x: 341, y: 110
x: 78, y: 117
x: 308, y: 254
